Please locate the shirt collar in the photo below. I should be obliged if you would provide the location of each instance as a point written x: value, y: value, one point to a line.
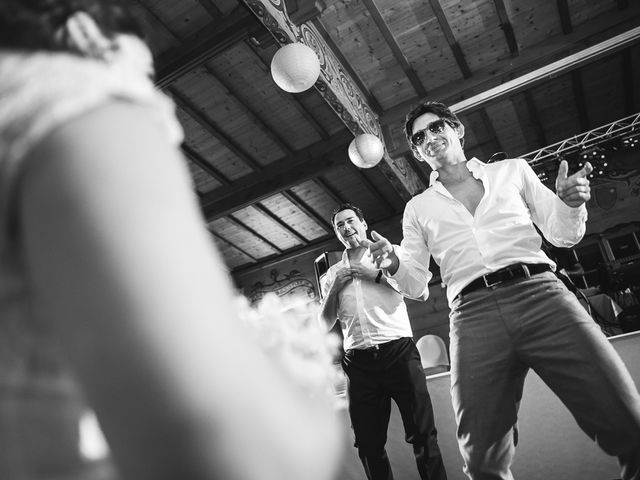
x: 474, y: 165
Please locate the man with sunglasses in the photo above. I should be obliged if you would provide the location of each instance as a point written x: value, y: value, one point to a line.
x: 509, y: 312
x: 381, y: 361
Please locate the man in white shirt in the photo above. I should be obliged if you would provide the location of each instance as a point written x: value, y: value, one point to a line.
x: 509, y: 312
x: 381, y: 360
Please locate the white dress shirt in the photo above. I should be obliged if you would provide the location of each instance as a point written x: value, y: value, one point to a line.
x: 369, y: 313
x: 500, y: 233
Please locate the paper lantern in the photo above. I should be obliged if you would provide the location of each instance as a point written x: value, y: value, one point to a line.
x: 366, y: 150
x: 295, y: 68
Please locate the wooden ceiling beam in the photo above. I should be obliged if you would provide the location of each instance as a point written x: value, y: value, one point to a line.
x: 565, y: 16
x: 338, y: 88
x: 293, y: 100
x: 211, y: 8
x: 205, y: 45
x: 301, y: 11
x: 395, y: 48
x: 507, y: 27
x: 288, y: 228
x: 555, y: 48
x: 185, y: 105
x: 330, y: 191
x: 280, y: 175
x: 260, y: 122
x: 196, y: 158
x: 306, y: 209
x: 559, y: 67
x: 371, y: 187
x: 240, y: 224
x: 233, y: 245
x: 450, y: 37
x: 346, y: 65
x: 527, y: 61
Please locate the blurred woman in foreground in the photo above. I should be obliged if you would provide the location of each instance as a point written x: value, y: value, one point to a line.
x: 103, y: 248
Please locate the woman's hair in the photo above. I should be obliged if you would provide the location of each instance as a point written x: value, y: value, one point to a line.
x: 35, y: 24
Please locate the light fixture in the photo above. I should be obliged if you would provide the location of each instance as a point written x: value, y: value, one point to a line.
x: 631, y: 141
x: 295, y: 67
x: 366, y: 150
x: 598, y: 158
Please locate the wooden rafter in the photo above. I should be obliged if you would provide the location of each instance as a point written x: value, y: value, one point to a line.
x: 213, y: 129
x: 565, y: 16
x: 395, y: 48
x: 507, y: 27
x: 294, y: 100
x: 233, y: 245
x: 553, y: 69
x: 529, y: 60
x: 346, y: 65
x: 268, y: 213
x: 307, y: 210
x: 240, y: 224
x: 371, y: 187
x: 280, y: 175
x: 205, y: 45
x: 326, y: 188
x: 257, y: 120
x: 211, y: 8
x: 196, y: 158
x: 450, y: 37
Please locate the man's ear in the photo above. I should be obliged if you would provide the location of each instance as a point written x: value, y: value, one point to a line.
x: 460, y: 130
x: 366, y: 227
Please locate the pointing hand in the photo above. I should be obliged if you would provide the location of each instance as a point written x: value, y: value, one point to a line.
x: 574, y: 189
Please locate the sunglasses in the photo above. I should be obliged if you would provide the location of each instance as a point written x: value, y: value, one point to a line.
x: 436, y: 127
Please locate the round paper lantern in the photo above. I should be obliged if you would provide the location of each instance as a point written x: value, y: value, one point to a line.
x: 295, y: 67
x: 366, y: 150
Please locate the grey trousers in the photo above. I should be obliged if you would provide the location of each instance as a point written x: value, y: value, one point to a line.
x: 497, y: 335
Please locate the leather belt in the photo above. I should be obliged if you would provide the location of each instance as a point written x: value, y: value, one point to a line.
x: 375, y: 348
x: 511, y: 272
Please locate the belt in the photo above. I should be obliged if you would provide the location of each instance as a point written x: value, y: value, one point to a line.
x: 493, y: 279
x: 375, y: 348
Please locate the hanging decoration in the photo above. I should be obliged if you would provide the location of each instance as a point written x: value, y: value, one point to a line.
x: 295, y: 67
x: 366, y: 150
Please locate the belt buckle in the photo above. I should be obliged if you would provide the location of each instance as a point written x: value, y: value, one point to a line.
x: 488, y: 284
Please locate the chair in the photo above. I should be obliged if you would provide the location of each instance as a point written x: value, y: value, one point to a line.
x: 433, y: 354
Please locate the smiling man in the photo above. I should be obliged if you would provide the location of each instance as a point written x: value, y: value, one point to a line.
x: 381, y: 360
x: 509, y: 312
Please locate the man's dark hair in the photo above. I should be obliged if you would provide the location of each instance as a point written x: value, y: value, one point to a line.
x: 346, y: 206
x: 437, y: 108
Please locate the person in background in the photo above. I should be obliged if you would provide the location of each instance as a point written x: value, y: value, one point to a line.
x: 104, y: 254
x: 381, y: 360
x: 509, y: 312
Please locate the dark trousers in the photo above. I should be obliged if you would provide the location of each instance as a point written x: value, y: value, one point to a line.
x: 375, y: 377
